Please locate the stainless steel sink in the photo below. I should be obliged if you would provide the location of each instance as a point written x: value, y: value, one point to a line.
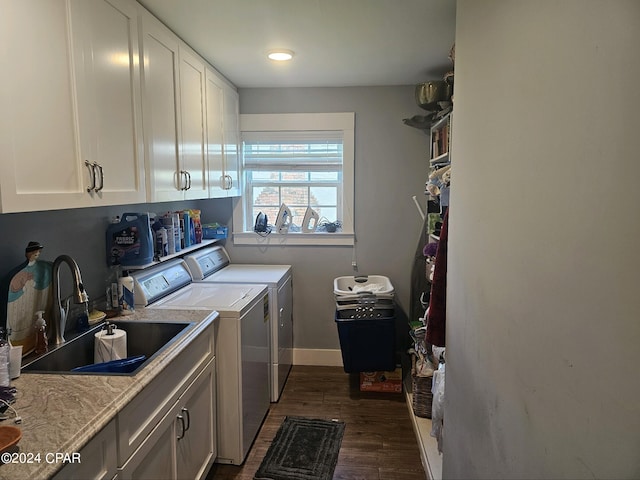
x: 143, y: 338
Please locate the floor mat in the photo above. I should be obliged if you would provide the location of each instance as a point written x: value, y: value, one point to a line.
x: 303, y: 449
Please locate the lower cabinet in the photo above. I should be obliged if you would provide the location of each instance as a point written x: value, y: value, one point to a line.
x: 97, y: 460
x: 195, y: 439
x: 167, y: 431
x: 182, y: 445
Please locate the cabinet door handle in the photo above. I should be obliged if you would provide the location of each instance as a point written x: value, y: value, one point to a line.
x: 99, y: 167
x: 229, y: 182
x: 185, y: 411
x: 188, y: 180
x: 180, y: 436
x: 92, y: 174
x: 183, y: 180
x: 187, y: 185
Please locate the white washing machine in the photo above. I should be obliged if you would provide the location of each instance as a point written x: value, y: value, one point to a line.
x: 212, y: 265
x: 242, y: 346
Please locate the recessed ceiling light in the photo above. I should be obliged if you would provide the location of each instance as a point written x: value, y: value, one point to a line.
x: 280, y: 55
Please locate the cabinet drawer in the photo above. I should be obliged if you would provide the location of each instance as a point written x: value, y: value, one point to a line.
x: 147, y: 408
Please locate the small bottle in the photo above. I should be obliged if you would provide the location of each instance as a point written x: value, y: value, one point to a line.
x: 4, y: 358
x: 83, y: 318
x: 176, y: 230
x: 167, y: 222
x: 125, y: 295
x: 42, y: 344
x: 111, y: 287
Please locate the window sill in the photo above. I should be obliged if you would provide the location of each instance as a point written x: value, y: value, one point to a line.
x: 294, y: 239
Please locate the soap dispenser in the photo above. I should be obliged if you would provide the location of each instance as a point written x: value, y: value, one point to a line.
x: 42, y: 345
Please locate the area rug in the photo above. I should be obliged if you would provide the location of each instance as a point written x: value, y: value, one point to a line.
x: 303, y: 449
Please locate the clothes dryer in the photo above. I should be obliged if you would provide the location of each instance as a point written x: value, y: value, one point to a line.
x: 212, y: 265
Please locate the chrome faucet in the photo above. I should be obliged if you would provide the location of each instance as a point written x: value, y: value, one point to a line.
x: 60, y: 311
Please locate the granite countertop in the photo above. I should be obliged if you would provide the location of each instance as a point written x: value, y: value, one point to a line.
x: 61, y: 413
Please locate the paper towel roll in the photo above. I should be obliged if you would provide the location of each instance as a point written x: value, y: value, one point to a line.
x: 110, y: 347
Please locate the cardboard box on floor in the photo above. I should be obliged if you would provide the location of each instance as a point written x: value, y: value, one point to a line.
x: 381, y: 381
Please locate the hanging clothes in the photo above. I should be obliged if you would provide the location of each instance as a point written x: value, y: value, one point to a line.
x: 436, y: 318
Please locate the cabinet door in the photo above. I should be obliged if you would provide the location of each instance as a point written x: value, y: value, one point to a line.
x: 40, y: 166
x: 232, y: 142
x: 156, y: 456
x: 182, y: 444
x: 215, y: 115
x: 97, y: 459
x: 106, y: 56
x: 196, y: 428
x: 192, y: 125
x: 161, y: 104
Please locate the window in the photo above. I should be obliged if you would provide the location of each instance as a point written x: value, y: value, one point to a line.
x: 301, y: 160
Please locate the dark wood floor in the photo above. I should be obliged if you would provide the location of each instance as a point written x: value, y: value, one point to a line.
x: 378, y: 443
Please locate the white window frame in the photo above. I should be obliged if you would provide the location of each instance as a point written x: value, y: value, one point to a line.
x: 343, y: 121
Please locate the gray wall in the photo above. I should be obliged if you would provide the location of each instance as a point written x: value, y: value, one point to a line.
x: 543, y: 306
x: 390, y: 161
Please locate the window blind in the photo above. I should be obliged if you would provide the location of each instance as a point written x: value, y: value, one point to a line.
x: 316, y: 150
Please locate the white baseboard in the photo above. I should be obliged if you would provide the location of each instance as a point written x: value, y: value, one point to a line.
x: 310, y: 356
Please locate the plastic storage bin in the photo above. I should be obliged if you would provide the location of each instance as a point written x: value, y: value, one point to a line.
x: 367, y: 344
x: 349, y: 285
x: 210, y: 232
x: 364, y: 305
x: 365, y: 317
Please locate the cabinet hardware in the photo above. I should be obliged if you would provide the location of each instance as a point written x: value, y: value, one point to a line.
x: 186, y: 180
x: 100, y: 169
x: 92, y: 174
x: 95, y: 171
x: 184, y: 429
x: 185, y: 410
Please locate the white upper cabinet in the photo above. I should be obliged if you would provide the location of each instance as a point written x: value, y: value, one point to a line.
x: 80, y: 80
x: 161, y: 106
x: 70, y: 117
x: 232, y: 141
x: 106, y: 54
x: 192, y: 125
x: 222, y: 137
x: 215, y: 115
x: 173, y: 84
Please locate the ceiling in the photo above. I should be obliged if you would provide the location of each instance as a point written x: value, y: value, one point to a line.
x: 336, y: 42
